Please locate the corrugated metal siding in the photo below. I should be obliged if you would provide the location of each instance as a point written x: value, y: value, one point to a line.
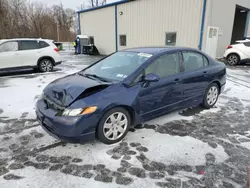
x: 100, y: 24
x: 220, y: 13
x: 146, y: 21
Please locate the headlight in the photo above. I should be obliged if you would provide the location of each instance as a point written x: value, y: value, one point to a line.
x: 41, y: 96
x: 79, y: 111
x: 72, y: 112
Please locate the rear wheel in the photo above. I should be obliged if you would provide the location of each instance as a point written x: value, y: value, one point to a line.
x: 45, y: 65
x: 211, y: 96
x: 114, y: 126
x: 233, y: 59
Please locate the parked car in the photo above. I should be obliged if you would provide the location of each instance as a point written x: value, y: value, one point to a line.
x: 127, y: 88
x: 26, y: 53
x: 238, y: 52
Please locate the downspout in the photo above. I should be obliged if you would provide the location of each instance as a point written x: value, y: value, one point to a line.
x: 79, y: 32
x: 202, y: 23
x: 116, y: 30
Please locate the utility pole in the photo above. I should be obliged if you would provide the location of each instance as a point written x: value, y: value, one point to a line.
x: 58, y: 31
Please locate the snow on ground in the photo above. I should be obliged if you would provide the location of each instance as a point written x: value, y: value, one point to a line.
x: 171, y: 151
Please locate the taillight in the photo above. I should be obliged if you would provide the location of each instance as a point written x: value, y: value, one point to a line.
x: 229, y: 47
x: 56, y: 49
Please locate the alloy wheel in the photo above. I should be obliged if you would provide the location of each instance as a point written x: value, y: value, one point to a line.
x: 115, y: 126
x: 233, y: 60
x: 212, y: 95
x: 46, y: 66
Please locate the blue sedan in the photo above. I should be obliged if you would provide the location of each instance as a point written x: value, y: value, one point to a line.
x: 128, y: 88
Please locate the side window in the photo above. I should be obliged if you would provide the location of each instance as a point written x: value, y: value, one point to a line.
x: 193, y: 61
x: 247, y: 44
x: 43, y: 44
x: 9, y: 46
x: 28, y: 45
x: 165, y: 66
x: 170, y: 39
x: 123, y: 40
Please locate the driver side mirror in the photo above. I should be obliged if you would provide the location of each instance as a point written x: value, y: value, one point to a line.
x: 151, y: 77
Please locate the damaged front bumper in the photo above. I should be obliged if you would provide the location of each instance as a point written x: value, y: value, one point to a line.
x: 71, y: 129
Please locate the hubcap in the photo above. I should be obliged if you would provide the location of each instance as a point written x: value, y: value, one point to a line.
x: 115, y: 126
x: 46, y: 66
x: 232, y: 59
x: 212, y: 95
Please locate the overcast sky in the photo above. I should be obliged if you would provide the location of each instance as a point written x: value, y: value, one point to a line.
x: 74, y: 4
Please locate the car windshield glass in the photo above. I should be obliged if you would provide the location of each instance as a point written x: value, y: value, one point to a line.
x: 117, y: 66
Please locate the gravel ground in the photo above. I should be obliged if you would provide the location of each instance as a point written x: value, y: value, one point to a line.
x: 188, y: 148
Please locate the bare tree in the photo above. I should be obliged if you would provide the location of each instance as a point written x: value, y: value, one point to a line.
x: 96, y: 3
x: 19, y: 18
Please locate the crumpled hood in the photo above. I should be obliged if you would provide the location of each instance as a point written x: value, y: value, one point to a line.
x: 66, y: 90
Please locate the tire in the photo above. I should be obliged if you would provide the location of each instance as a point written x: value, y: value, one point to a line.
x: 107, y: 128
x: 211, y: 96
x: 45, y: 65
x: 233, y: 59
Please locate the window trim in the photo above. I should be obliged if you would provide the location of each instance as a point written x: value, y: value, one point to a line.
x: 38, y: 44
x: 19, y: 44
x: 193, y: 51
x: 10, y: 41
x: 120, y: 40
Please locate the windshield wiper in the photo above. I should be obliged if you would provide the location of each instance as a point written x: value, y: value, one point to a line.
x: 96, y: 77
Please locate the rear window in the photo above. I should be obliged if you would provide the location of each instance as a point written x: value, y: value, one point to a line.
x: 28, y: 45
x: 43, y: 44
x: 247, y: 44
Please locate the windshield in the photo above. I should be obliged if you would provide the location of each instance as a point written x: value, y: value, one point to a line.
x: 117, y: 66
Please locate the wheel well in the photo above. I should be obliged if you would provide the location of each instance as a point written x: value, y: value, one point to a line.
x: 45, y: 57
x: 234, y: 53
x: 129, y: 109
x: 131, y: 112
x: 218, y: 84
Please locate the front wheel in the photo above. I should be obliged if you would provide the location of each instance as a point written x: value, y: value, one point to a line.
x: 113, y: 126
x: 45, y: 65
x: 211, y: 96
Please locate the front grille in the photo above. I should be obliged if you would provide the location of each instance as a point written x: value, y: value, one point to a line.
x: 52, y: 105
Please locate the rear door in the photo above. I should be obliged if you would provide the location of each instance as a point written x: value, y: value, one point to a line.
x: 28, y: 50
x: 9, y: 55
x: 246, y: 49
x: 196, y: 77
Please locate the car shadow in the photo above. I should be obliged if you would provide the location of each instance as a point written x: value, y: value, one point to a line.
x: 26, y: 73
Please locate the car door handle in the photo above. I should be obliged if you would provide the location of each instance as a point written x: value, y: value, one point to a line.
x: 177, y: 80
x: 205, y: 72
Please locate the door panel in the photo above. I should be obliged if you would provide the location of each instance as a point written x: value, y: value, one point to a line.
x: 28, y: 52
x: 9, y: 56
x: 160, y: 97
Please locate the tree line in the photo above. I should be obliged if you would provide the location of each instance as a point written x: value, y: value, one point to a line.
x: 20, y: 18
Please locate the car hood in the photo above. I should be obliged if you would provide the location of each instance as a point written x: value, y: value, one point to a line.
x: 66, y: 90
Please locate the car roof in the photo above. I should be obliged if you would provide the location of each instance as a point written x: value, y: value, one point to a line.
x: 156, y: 50
x: 14, y: 39
x: 243, y: 41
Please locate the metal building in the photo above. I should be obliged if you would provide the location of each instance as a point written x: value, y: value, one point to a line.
x: 210, y: 25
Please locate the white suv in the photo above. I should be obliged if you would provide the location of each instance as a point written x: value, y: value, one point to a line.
x: 238, y: 52
x: 28, y: 53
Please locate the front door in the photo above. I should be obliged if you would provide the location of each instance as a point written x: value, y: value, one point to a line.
x: 9, y: 56
x: 157, y: 98
x: 196, y: 77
